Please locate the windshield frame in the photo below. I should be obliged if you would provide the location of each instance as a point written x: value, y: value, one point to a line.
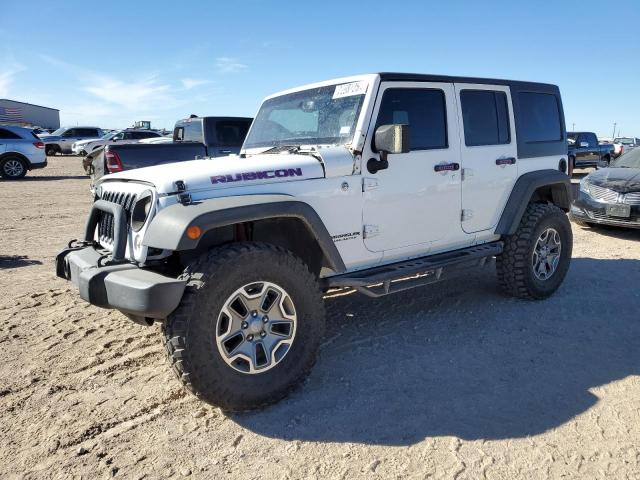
x: 355, y: 141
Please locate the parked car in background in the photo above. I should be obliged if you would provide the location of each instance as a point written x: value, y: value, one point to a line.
x: 129, y: 135
x: 626, y: 143
x: 586, y: 151
x: 611, y: 195
x: 192, y: 137
x: 20, y: 150
x: 62, y: 139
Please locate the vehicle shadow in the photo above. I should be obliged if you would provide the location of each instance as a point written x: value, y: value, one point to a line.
x: 460, y: 358
x: 16, y: 261
x: 56, y: 177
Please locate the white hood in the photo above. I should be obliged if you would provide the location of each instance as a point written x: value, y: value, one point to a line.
x: 225, y: 172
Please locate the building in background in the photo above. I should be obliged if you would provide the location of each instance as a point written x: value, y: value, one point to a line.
x: 20, y: 113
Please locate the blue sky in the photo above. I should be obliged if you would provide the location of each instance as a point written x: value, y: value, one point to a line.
x: 122, y: 61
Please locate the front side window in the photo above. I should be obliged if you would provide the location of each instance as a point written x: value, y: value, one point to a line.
x: 70, y: 133
x: 485, y: 117
x: 422, y: 109
x: 539, y: 119
x: 323, y: 115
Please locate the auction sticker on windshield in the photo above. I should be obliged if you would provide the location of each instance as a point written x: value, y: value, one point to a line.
x: 350, y: 89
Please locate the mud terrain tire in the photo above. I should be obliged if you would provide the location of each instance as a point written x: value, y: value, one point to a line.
x: 515, y: 266
x: 189, y: 334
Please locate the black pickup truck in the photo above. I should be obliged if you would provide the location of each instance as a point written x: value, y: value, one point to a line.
x: 586, y: 151
x: 192, y: 137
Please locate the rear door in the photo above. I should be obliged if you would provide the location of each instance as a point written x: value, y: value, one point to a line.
x: 489, y: 153
x: 416, y: 200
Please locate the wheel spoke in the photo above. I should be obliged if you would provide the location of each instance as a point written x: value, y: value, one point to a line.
x: 546, y: 254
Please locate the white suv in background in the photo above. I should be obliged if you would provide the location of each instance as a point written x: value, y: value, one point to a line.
x: 83, y: 147
x: 20, y: 150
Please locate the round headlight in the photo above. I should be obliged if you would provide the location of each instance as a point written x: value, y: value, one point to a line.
x: 584, y: 185
x: 141, y: 210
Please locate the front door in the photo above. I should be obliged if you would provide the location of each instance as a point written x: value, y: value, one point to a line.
x: 489, y: 153
x: 416, y: 200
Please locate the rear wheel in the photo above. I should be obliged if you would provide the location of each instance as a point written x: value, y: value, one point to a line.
x: 51, y: 150
x: 536, y: 257
x: 248, y: 327
x: 13, y: 168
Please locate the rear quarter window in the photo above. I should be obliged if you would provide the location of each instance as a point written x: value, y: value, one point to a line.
x: 539, y: 117
x: 9, y: 135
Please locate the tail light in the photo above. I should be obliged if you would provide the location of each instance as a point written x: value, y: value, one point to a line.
x: 114, y: 164
x: 38, y: 144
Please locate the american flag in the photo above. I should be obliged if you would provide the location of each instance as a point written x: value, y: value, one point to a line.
x: 10, y: 114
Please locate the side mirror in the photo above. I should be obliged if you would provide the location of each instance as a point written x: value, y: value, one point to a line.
x: 389, y: 139
x: 584, y: 144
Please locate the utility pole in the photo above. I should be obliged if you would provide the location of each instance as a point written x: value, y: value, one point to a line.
x: 614, y: 130
x: 573, y: 127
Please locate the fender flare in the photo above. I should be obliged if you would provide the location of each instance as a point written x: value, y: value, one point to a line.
x: 524, y: 189
x: 167, y: 230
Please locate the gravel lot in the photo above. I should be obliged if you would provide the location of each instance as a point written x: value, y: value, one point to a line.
x: 449, y: 381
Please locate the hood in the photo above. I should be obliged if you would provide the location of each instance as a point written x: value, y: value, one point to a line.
x: 225, y: 172
x: 621, y: 180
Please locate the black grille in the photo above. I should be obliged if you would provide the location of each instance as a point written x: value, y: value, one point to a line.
x: 105, y: 225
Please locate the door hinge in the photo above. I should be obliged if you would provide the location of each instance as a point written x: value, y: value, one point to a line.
x: 369, y: 184
x: 466, y: 215
x: 370, y: 231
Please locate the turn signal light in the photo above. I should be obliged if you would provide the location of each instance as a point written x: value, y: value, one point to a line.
x: 194, y: 232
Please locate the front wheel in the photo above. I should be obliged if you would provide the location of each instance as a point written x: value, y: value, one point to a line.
x: 536, y: 257
x: 248, y: 327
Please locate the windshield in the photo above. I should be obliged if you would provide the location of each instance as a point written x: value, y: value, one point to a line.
x: 628, y: 160
x: 59, y: 131
x: 324, y: 115
x: 624, y: 141
x: 107, y: 136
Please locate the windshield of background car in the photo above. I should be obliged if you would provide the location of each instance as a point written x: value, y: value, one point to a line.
x: 59, y: 132
x: 109, y: 136
x: 628, y: 160
x: 323, y: 115
x: 624, y: 141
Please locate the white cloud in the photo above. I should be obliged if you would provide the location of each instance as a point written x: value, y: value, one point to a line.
x: 190, y: 83
x: 8, y: 72
x: 230, y: 65
x: 142, y: 95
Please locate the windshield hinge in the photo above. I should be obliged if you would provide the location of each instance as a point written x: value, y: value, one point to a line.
x: 369, y: 184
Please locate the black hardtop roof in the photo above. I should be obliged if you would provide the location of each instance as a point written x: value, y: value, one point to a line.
x: 421, y: 77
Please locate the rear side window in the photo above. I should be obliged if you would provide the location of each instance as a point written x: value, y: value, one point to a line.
x: 485, y: 116
x: 539, y: 117
x: 422, y: 109
x: 231, y: 133
x: 190, y: 131
x: 8, y: 134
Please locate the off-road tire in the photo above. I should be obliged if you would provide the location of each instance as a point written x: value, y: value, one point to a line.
x: 14, y: 160
x: 189, y: 332
x: 514, y: 265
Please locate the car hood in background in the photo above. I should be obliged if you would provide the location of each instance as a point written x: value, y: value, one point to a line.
x: 225, y: 172
x: 622, y: 180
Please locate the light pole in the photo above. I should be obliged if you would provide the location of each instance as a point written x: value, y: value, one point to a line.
x: 614, y: 131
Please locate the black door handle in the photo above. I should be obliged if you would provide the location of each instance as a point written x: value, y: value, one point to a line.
x: 505, y: 161
x: 447, y: 167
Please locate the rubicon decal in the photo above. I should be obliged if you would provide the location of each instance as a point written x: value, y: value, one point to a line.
x: 245, y: 176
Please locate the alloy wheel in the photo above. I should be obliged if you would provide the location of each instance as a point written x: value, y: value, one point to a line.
x: 256, y: 327
x: 546, y: 254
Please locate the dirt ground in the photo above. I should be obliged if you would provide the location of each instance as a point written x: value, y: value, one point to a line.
x: 450, y: 381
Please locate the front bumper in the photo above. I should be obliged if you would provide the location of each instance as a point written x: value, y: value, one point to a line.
x: 586, y: 209
x: 124, y: 286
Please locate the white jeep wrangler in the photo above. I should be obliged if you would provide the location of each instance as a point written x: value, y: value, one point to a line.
x: 378, y: 182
